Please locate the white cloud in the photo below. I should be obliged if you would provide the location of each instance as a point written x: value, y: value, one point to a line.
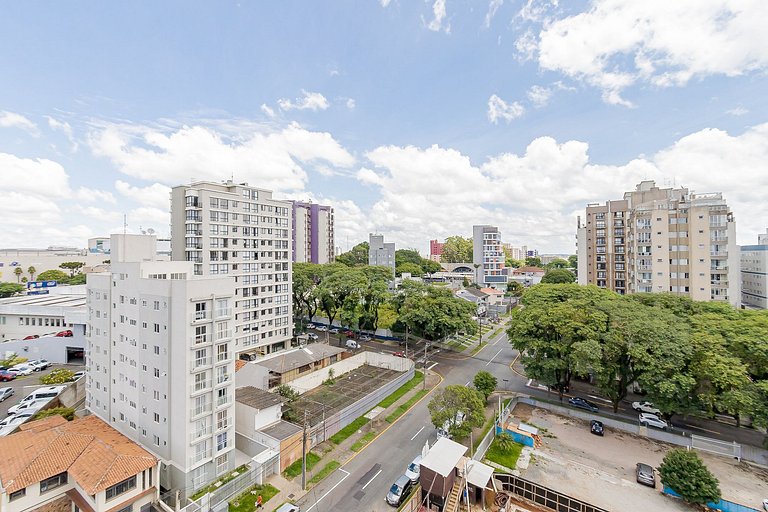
x: 267, y: 110
x: 14, y: 120
x: 351, y: 104
x: 155, y: 195
x: 271, y: 160
x: 737, y: 111
x: 439, y: 14
x: 500, y: 109
x: 618, y: 43
x: 539, y: 95
x: 94, y: 195
x: 384, y: 3
x: 64, y: 127
x: 313, y: 101
x: 39, y: 177
x: 492, y: 8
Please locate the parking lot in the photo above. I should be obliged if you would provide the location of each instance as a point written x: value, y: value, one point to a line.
x: 601, y: 470
x: 22, y: 386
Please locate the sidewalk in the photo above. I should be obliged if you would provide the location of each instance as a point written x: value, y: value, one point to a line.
x: 290, y: 490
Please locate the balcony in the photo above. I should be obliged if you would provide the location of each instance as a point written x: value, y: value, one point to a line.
x: 223, y: 313
x: 200, y: 456
x: 721, y: 254
x: 222, y: 379
x: 223, y: 400
x: 197, y: 411
x: 199, y: 364
x: 197, y: 387
x: 200, y: 434
x: 223, y: 335
x: 200, y: 316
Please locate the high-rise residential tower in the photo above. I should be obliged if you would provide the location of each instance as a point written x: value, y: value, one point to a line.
x: 488, y: 257
x: 381, y: 253
x: 754, y: 274
x: 312, y: 233
x: 160, y: 360
x: 240, y: 231
x: 435, y: 250
x: 661, y: 240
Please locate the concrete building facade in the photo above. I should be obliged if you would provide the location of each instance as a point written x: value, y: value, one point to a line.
x: 160, y: 360
x: 661, y: 240
x: 435, y: 250
x: 754, y: 269
x: 240, y: 231
x: 381, y: 253
x: 488, y: 257
x: 312, y: 233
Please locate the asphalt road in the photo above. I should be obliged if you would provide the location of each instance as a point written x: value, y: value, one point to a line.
x: 362, y: 483
x: 23, y: 386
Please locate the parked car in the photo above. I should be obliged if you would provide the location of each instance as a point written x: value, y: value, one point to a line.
x: 645, y: 475
x: 352, y: 344
x: 582, y: 403
x: 78, y: 375
x: 311, y: 326
x: 596, y: 427
x: 32, y: 337
x: 321, y: 328
x: 64, y: 334
x: 313, y: 336
x: 365, y: 337
x: 414, y: 468
x: 34, y: 406
x: 21, y: 369
x: 645, y: 407
x: 333, y: 330
x: 288, y: 507
x: 17, y: 419
x: 398, y: 491
x: 399, y: 353
x: 43, y: 393
x: 38, y: 364
x: 6, y: 376
x: 5, y: 393
x: 651, y: 420
x: 349, y: 334
x: 248, y: 357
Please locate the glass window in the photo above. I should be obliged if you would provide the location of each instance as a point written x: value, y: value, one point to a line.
x: 18, y: 494
x: 121, y: 487
x: 53, y: 482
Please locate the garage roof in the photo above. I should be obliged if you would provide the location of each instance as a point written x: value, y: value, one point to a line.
x: 443, y: 456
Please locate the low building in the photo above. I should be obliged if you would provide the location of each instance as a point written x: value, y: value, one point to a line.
x: 495, y: 297
x: 474, y: 295
x: 53, y: 465
x: 282, y: 368
x: 439, y: 471
x: 527, y: 276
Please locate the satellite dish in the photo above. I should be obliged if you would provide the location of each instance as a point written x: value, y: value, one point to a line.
x: 150, y: 231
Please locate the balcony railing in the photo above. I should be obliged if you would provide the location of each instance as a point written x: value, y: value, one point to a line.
x: 197, y: 457
x: 223, y: 312
x: 221, y: 379
x: 197, y: 387
x: 200, y: 363
x: 223, y: 400
x: 200, y: 339
x: 198, y: 434
x: 197, y: 411
x: 200, y: 316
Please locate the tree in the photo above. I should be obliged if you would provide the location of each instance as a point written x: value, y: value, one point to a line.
x: 67, y: 412
x: 451, y: 400
x: 407, y: 256
x: 53, y: 275
x: 485, y: 383
x: 411, y: 268
x: 557, y: 263
x: 17, y: 271
x: 77, y: 279
x: 558, y: 276
x: 685, y: 473
x: 57, y: 376
x: 573, y: 261
x: 9, y: 289
x: 290, y: 395
x: 457, y: 249
x: 355, y: 257
x: 31, y: 271
x: 73, y: 267
x: 430, y: 267
x: 513, y: 263
x: 515, y: 288
x: 341, y: 291
x: 375, y: 295
x: 533, y: 261
x: 437, y: 313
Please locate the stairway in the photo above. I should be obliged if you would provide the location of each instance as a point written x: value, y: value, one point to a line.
x: 453, y: 499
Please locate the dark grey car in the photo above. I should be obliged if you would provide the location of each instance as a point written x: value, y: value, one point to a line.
x: 645, y: 475
x: 582, y: 403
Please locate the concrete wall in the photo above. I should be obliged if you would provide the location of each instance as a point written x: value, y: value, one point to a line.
x: 52, y: 348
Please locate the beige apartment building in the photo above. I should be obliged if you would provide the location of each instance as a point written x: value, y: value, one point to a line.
x: 661, y: 240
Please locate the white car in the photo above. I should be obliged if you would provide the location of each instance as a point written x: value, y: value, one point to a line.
x: 365, y: 337
x: 313, y: 336
x: 5, y: 393
x: 78, y: 375
x: 333, y: 330
x: 38, y: 364
x: 21, y: 369
x: 645, y: 407
x: 34, y: 406
x: 321, y: 328
x: 651, y: 420
x: 17, y: 419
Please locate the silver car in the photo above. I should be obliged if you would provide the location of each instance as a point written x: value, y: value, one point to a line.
x: 651, y: 420
x: 5, y: 393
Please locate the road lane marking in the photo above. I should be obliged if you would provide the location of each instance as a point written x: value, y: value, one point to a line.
x: 417, y: 433
x: 331, y: 489
x: 494, y: 357
x: 372, y: 478
x: 432, y: 366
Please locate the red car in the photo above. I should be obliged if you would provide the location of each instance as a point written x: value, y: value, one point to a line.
x: 32, y: 337
x: 64, y: 334
x: 6, y: 376
x: 349, y: 334
x: 399, y: 354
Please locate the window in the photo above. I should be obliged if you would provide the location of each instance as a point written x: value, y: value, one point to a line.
x: 221, y: 441
x: 18, y: 494
x: 53, y: 482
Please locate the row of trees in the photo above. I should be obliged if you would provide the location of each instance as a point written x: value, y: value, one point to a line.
x: 360, y: 299
x: 687, y: 356
x: 406, y: 260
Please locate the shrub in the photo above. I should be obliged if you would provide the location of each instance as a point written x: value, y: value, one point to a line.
x: 685, y: 473
x: 57, y: 376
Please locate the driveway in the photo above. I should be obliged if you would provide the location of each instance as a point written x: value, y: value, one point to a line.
x: 601, y: 470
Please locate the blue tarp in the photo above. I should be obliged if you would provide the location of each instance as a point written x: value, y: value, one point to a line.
x: 724, y: 505
x: 518, y: 437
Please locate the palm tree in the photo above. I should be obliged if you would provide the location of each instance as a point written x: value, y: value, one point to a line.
x: 18, y: 273
x: 31, y: 271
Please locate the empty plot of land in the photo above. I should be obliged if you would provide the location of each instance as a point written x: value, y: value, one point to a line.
x: 345, y: 390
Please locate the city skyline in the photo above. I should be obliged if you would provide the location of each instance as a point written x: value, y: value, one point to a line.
x: 415, y: 120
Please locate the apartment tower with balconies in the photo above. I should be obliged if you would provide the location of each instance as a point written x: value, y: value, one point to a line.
x: 312, y: 233
x: 488, y: 257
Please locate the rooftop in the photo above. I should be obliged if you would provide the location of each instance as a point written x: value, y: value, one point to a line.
x: 288, y: 361
x: 257, y: 398
x: 281, y: 430
x: 64, y: 301
x: 444, y: 456
x: 94, y: 454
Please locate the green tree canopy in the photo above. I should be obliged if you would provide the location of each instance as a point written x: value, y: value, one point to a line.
x: 573, y: 261
x: 57, y: 376
x: 437, y: 313
x: 533, y: 261
x: 407, y: 256
x: 430, y: 267
x: 449, y: 401
x: 485, y: 383
x: 411, y: 268
x: 457, y: 249
x: 557, y: 263
x: 558, y: 276
x: 67, y: 412
x: 53, y: 275
x: 9, y: 289
x: 355, y: 257
x: 73, y: 267
x: 685, y: 473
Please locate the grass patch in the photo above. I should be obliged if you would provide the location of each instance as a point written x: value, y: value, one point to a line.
x: 486, y: 427
x: 403, y: 408
x: 212, y: 487
x: 294, y: 469
x: 327, y: 470
x: 367, y: 438
x: 246, y: 502
x: 417, y: 379
x: 347, y: 431
x: 505, y: 454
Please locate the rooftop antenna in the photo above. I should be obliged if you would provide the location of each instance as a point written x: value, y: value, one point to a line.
x: 125, y: 224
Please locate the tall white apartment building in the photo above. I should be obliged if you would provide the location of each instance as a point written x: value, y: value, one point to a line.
x: 754, y: 274
x: 488, y: 257
x: 661, y: 240
x: 160, y: 360
x: 312, y: 233
x: 240, y: 231
x: 381, y: 253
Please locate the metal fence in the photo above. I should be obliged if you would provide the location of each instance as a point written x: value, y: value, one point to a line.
x: 544, y: 496
x: 491, y: 435
x: 706, y: 444
x: 235, y: 487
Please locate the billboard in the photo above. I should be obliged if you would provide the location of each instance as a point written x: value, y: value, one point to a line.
x: 34, y: 285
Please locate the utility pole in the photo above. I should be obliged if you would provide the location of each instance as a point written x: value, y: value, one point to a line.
x: 425, y: 365
x: 406, y: 341
x: 304, y: 455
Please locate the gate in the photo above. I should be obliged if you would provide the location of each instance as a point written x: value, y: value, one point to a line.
x: 715, y: 446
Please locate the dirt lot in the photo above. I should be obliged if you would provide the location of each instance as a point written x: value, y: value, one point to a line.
x: 601, y: 470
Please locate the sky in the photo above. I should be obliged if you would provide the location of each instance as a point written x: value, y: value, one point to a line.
x: 414, y: 119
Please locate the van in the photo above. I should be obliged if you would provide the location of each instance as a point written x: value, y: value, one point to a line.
x: 352, y: 344
x: 398, y: 491
x: 32, y: 405
x: 288, y: 507
x: 42, y: 393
